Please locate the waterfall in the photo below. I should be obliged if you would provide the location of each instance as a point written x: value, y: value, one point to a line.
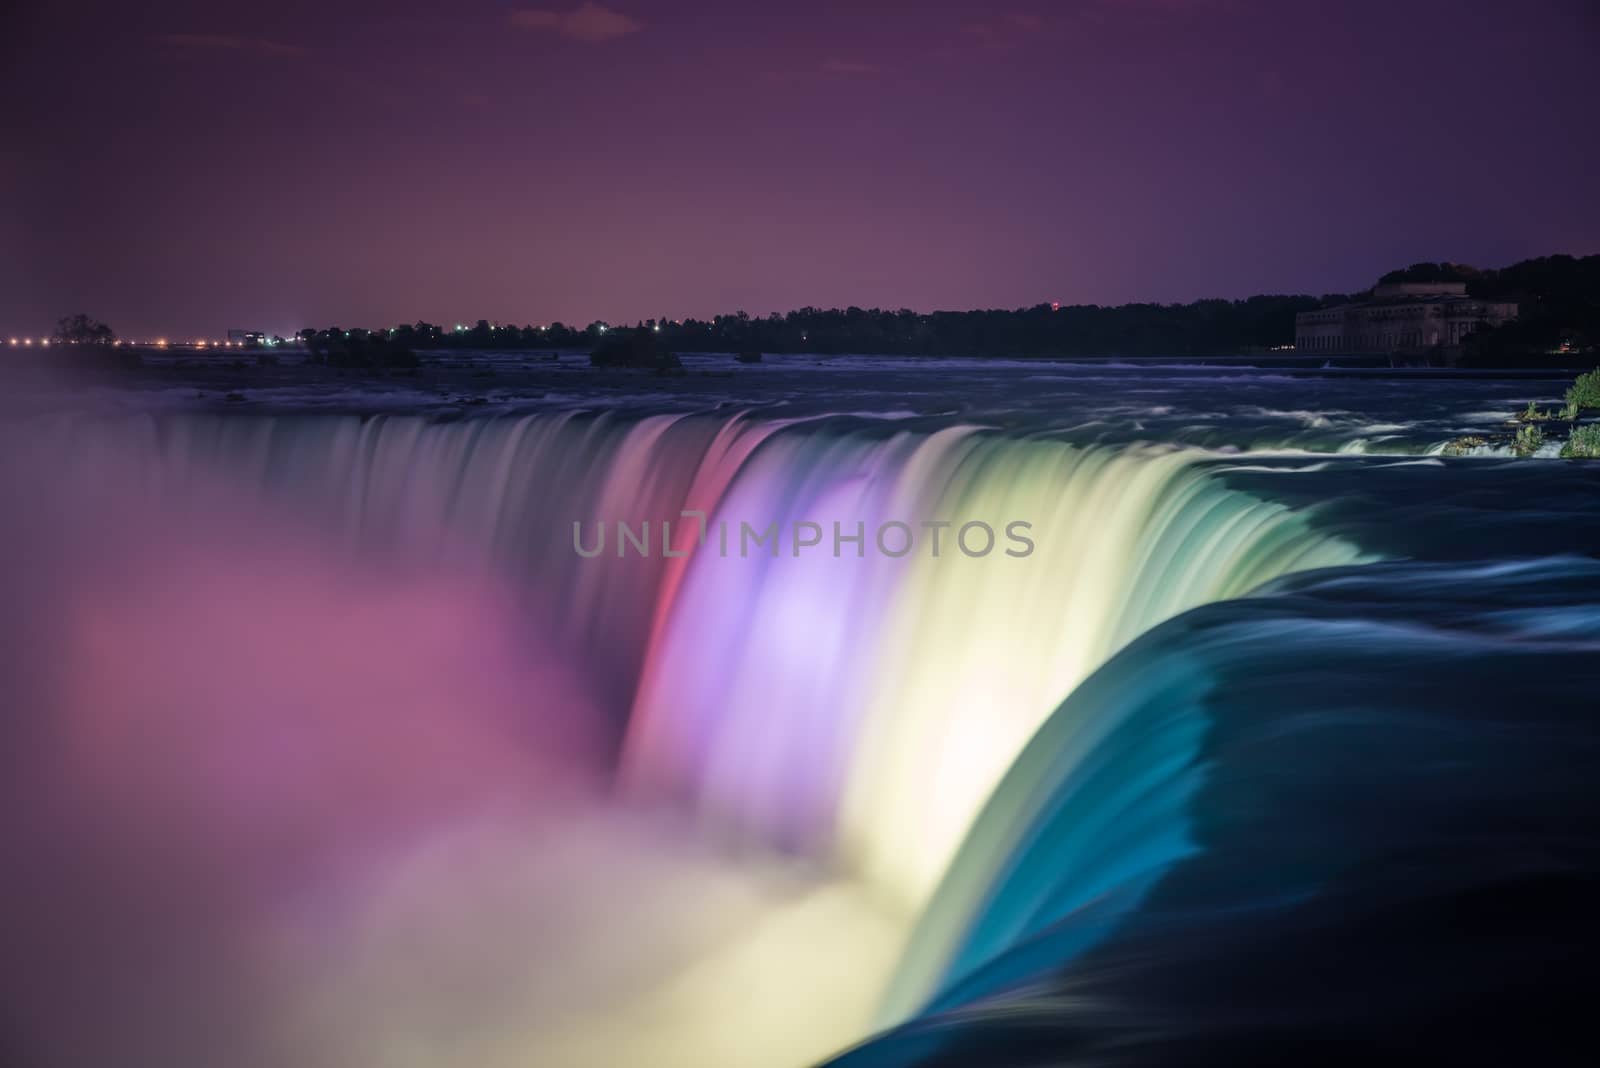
x: 845, y: 704
x: 1274, y: 822
x: 495, y: 496
x: 858, y: 707
x: 862, y: 708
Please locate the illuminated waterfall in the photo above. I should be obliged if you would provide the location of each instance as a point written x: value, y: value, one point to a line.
x: 855, y: 711
x: 855, y: 708
x: 862, y: 708
x: 495, y: 495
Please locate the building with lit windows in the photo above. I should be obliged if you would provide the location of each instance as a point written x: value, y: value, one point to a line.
x: 1405, y: 316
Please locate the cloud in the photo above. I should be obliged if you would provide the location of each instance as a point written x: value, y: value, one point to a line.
x: 588, y: 22
x: 221, y: 42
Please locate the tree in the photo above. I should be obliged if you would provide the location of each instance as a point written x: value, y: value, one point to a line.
x: 81, y: 330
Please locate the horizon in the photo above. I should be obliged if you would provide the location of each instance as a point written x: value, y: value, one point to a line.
x: 184, y: 171
x: 182, y: 338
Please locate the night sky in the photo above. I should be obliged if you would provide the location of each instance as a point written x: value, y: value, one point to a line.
x: 182, y: 167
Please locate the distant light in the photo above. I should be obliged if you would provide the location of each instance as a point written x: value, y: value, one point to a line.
x: 13, y: 341
x: 44, y: 341
x: 29, y: 341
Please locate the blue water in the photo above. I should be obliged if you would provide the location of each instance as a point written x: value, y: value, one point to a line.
x: 1385, y: 779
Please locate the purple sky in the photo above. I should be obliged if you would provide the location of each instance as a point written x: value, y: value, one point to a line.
x: 180, y: 167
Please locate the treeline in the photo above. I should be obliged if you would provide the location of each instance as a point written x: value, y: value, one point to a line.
x: 1204, y: 328
x: 1559, y: 297
x: 1559, y: 303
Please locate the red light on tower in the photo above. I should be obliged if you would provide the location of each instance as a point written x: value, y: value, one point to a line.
x: 1055, y: 305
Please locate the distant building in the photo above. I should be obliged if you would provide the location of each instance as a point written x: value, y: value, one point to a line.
x: 1403, y: 316
x: 249, y: 339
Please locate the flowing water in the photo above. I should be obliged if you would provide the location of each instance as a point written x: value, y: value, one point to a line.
x: 498, y: 740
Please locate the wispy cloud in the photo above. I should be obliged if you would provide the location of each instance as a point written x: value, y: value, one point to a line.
x: 588, y: 22
x: 222, y: 42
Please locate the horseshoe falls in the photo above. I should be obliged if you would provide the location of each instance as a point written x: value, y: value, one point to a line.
x: 863, y: 708
x: 741, y: 735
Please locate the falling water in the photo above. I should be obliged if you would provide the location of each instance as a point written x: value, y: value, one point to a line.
x: 849, y: 712
x: 862, y: 707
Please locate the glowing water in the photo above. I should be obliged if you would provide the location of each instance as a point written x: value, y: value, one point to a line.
x: 855, y: 712
x: 862, y: 709
x: 1310, y: 816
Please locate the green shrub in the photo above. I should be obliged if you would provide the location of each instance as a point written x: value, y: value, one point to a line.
x: 1584, y: 444
x: 1528, y: 441
x: 1463, y: 445
x: 1570, y: 411
x: 1533, y: 414
x: 1585, y: 392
